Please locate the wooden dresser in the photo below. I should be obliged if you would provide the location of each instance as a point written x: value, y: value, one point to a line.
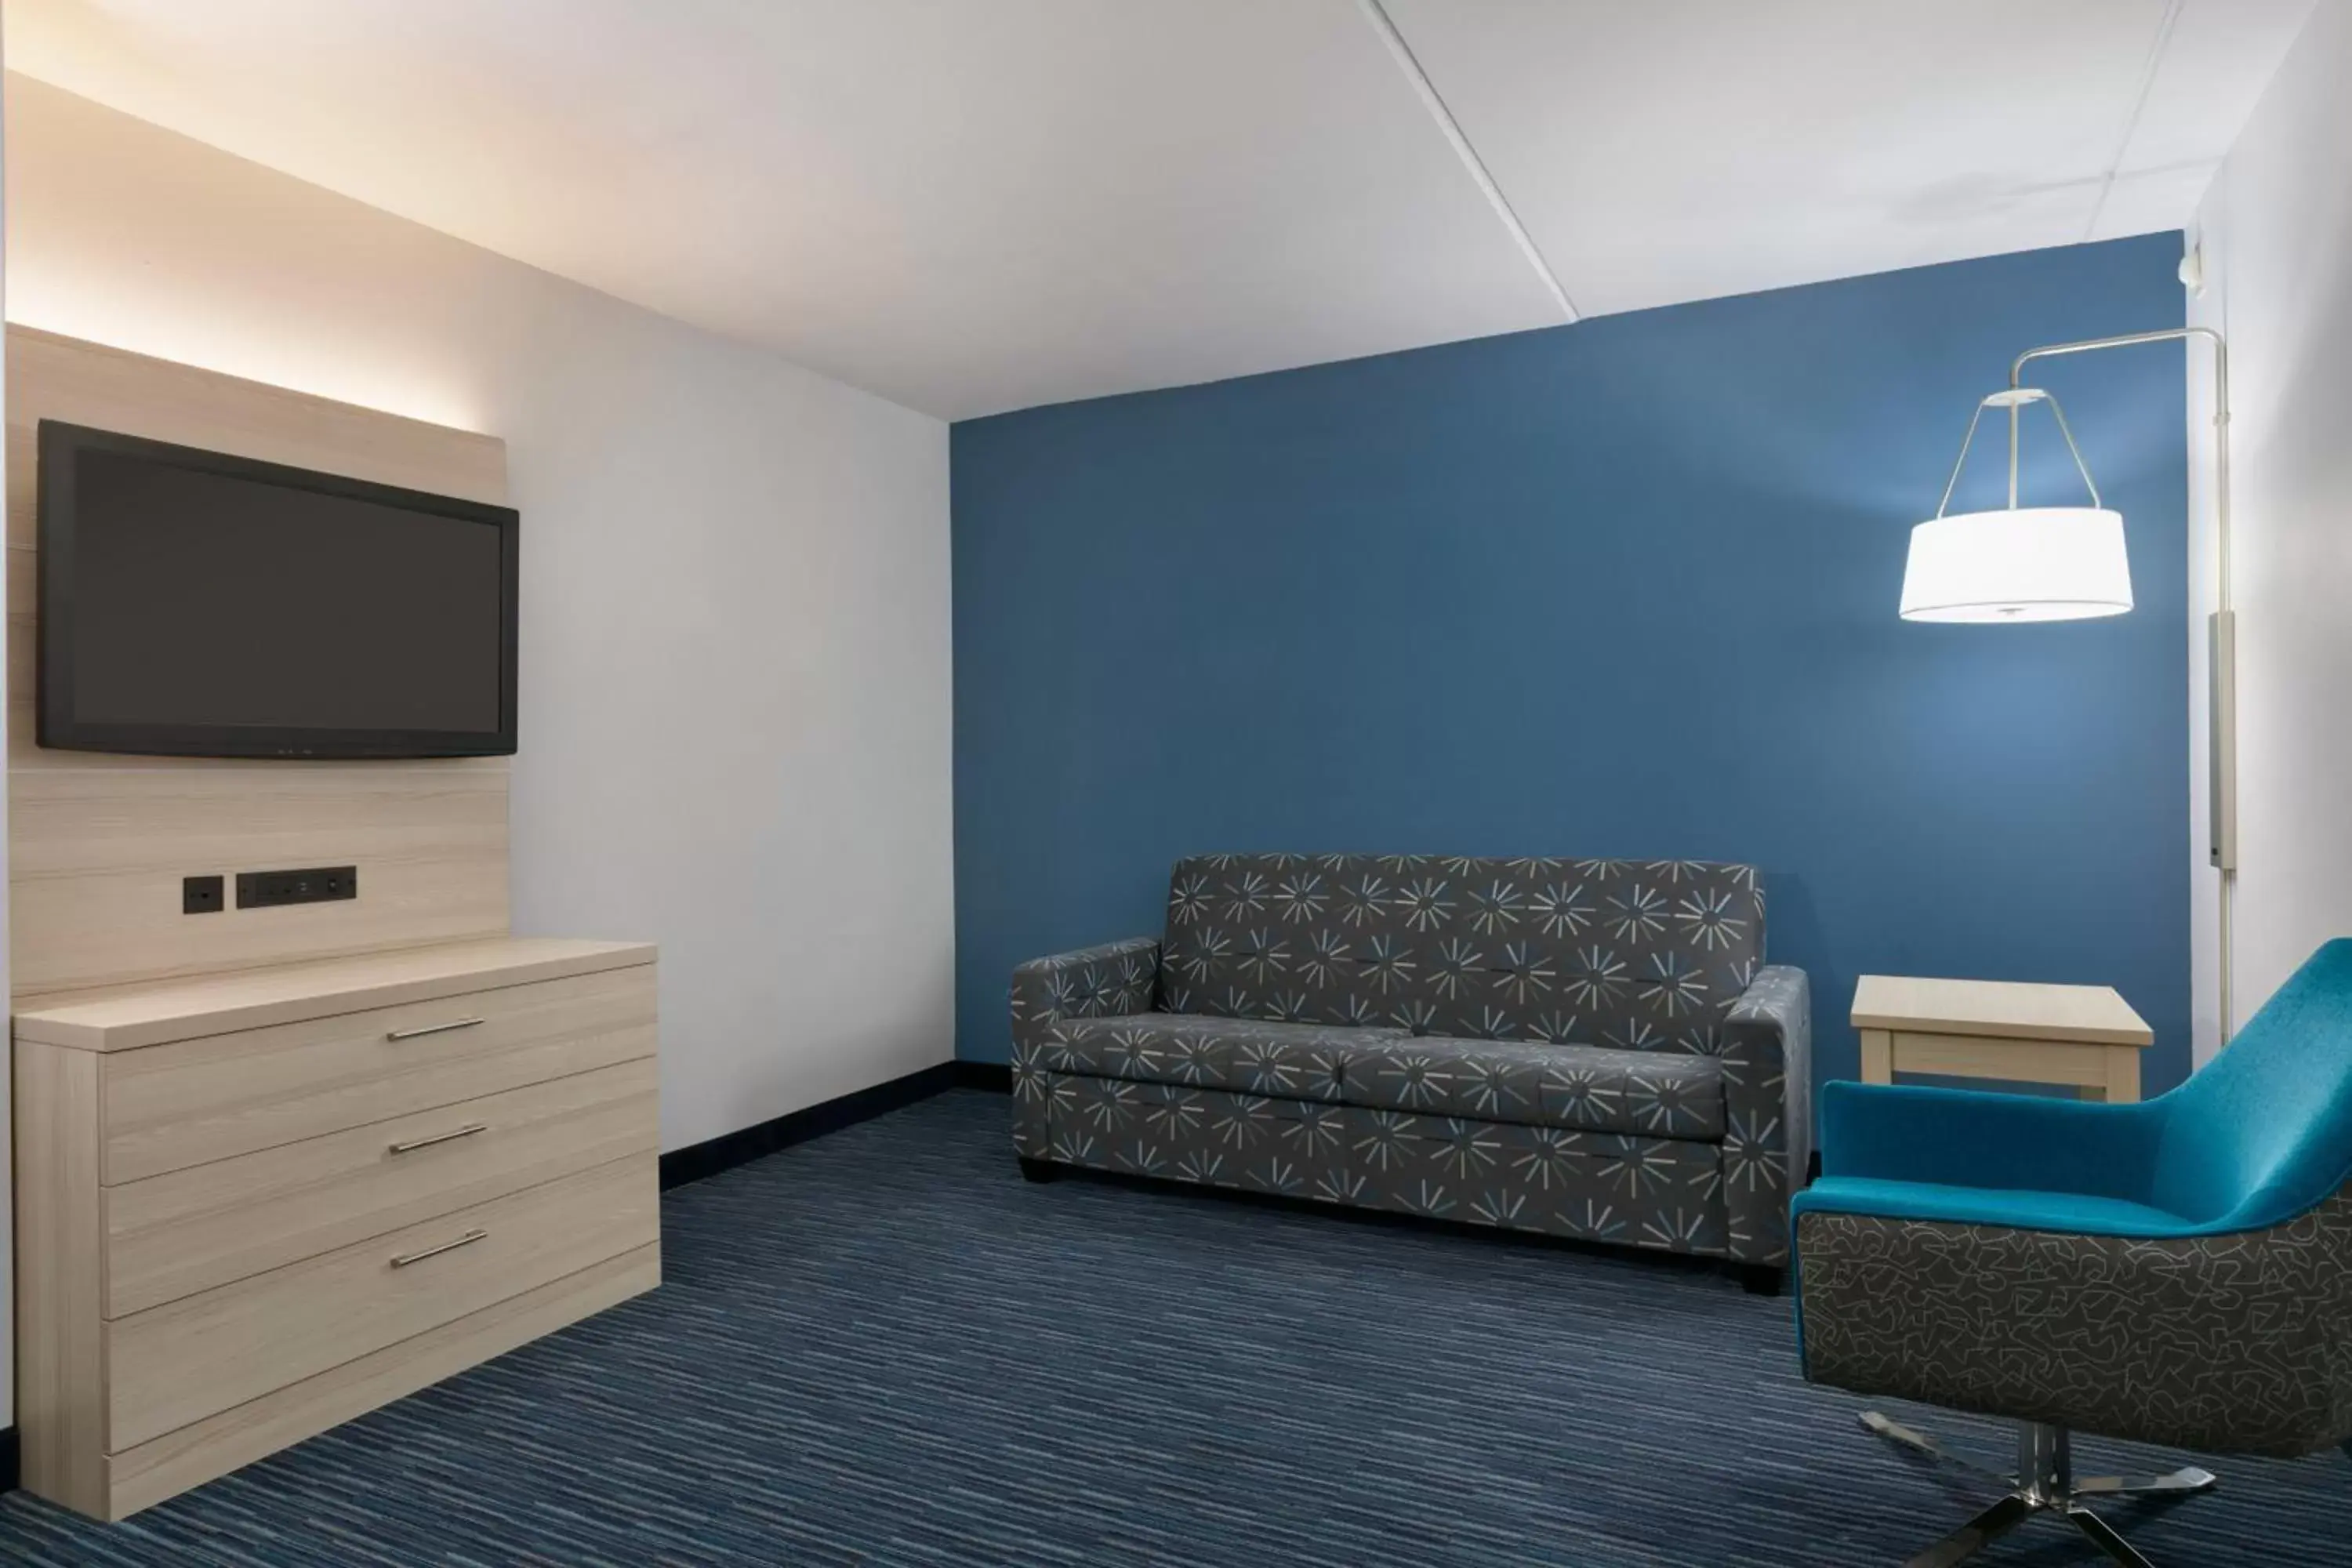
x: 252, y: 1205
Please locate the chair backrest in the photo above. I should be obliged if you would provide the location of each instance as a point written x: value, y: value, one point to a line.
x: 2264, y: 1131
x: 1633, y: 953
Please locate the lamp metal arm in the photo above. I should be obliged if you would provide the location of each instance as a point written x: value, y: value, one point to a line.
x: 2222, y: 704
x: 2221, y: 423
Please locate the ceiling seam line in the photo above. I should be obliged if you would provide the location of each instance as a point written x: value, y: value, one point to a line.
x: 1402, y: 52
x: 2157, y: 51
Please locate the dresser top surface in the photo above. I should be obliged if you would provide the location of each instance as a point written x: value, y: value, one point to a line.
x: 124, y: 1017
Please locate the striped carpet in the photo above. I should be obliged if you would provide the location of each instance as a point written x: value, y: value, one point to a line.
x: 885, y: 1348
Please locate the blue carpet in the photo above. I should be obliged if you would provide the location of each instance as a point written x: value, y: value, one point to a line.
x: 885, y: 1348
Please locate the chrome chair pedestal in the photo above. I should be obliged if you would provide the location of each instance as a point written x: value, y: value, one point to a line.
x: 2044, y: 1482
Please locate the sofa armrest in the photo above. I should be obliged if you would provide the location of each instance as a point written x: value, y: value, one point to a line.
x: 1768, y: 1093
x: 1970, y: 1138
x: 1111, y: 981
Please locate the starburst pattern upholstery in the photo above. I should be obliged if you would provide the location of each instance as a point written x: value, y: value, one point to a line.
x: 1664, y: 1094
x: 1583, y: 1048
x: 1299, y: 1061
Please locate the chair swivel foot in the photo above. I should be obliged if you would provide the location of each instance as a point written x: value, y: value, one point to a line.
x: 1976, y: 1535
x: 1927, y: 1447
x: 2113, y: 1544
x: 1039, y: 1170
x: 2188, y: 1478
x: 2043, y: 1483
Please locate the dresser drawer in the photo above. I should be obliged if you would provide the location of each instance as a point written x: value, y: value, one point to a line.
x: 185, y: 1231
x: 168, y: 1107
x: 178, y: 1364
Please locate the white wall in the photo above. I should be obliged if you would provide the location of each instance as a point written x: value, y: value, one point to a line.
x: 735, y: 714
x: 2276, y: 233
x: 8, y: 1068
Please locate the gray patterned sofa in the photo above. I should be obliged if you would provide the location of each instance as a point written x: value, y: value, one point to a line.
x: 1589, y: 1048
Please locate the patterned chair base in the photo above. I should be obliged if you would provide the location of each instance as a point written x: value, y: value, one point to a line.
x: 2176, y: 1272
x: 2044, y: 1482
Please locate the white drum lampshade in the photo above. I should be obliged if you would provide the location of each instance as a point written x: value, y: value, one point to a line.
x: 2027, y: 563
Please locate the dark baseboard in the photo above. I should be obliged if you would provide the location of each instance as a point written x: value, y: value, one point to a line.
x: 994, y: 1076
x: 11, y: 1467
x: 695, y: 1160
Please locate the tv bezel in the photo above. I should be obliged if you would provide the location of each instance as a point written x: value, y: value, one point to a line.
x: 57, y: 728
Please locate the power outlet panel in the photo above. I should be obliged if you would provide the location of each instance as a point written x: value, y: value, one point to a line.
x: 315, y: 885
x: 201, y: 896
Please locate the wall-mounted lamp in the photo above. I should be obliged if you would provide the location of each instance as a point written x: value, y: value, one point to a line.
x: 2048, y: 564
x: 2034, y: 563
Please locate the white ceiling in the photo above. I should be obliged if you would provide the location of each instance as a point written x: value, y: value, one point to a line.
x: 972, y: 206
x: 1657, y: 158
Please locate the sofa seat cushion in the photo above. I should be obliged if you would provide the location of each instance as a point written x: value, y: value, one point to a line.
x: 1248, y: 1055
x: 1654, y: 1094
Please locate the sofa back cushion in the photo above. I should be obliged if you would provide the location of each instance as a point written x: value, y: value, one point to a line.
x: 1631, y: 953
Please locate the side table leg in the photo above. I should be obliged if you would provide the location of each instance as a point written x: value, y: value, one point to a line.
x: 1877, y: 1055
x: 2122, y: 1074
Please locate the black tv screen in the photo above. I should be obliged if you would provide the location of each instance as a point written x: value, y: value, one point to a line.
x: 193, y: 604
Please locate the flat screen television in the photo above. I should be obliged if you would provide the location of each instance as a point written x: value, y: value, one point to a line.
x: 193, y: 604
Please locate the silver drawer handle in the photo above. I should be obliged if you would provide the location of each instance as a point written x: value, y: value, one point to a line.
x: 405, y: 1258
x: 434, y: 1028
x: 465, y: 1132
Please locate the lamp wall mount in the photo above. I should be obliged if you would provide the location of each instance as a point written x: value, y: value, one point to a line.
x: 2221, y: 625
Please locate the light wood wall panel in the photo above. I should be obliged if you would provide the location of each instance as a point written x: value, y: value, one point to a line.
x: 98, y: 844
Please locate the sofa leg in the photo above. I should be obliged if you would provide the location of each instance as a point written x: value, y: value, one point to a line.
x: 1762, y: 1278
x: 1039, y: 1170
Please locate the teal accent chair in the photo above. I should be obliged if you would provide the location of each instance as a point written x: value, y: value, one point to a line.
x: 2177, y: 1271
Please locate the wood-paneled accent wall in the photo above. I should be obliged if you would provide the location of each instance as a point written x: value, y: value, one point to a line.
x: 98, y: 844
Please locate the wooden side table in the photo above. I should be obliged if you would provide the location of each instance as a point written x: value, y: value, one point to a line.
x: 2082, y: 1035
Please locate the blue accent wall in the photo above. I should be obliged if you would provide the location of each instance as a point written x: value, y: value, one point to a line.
x: 1626, y: 588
